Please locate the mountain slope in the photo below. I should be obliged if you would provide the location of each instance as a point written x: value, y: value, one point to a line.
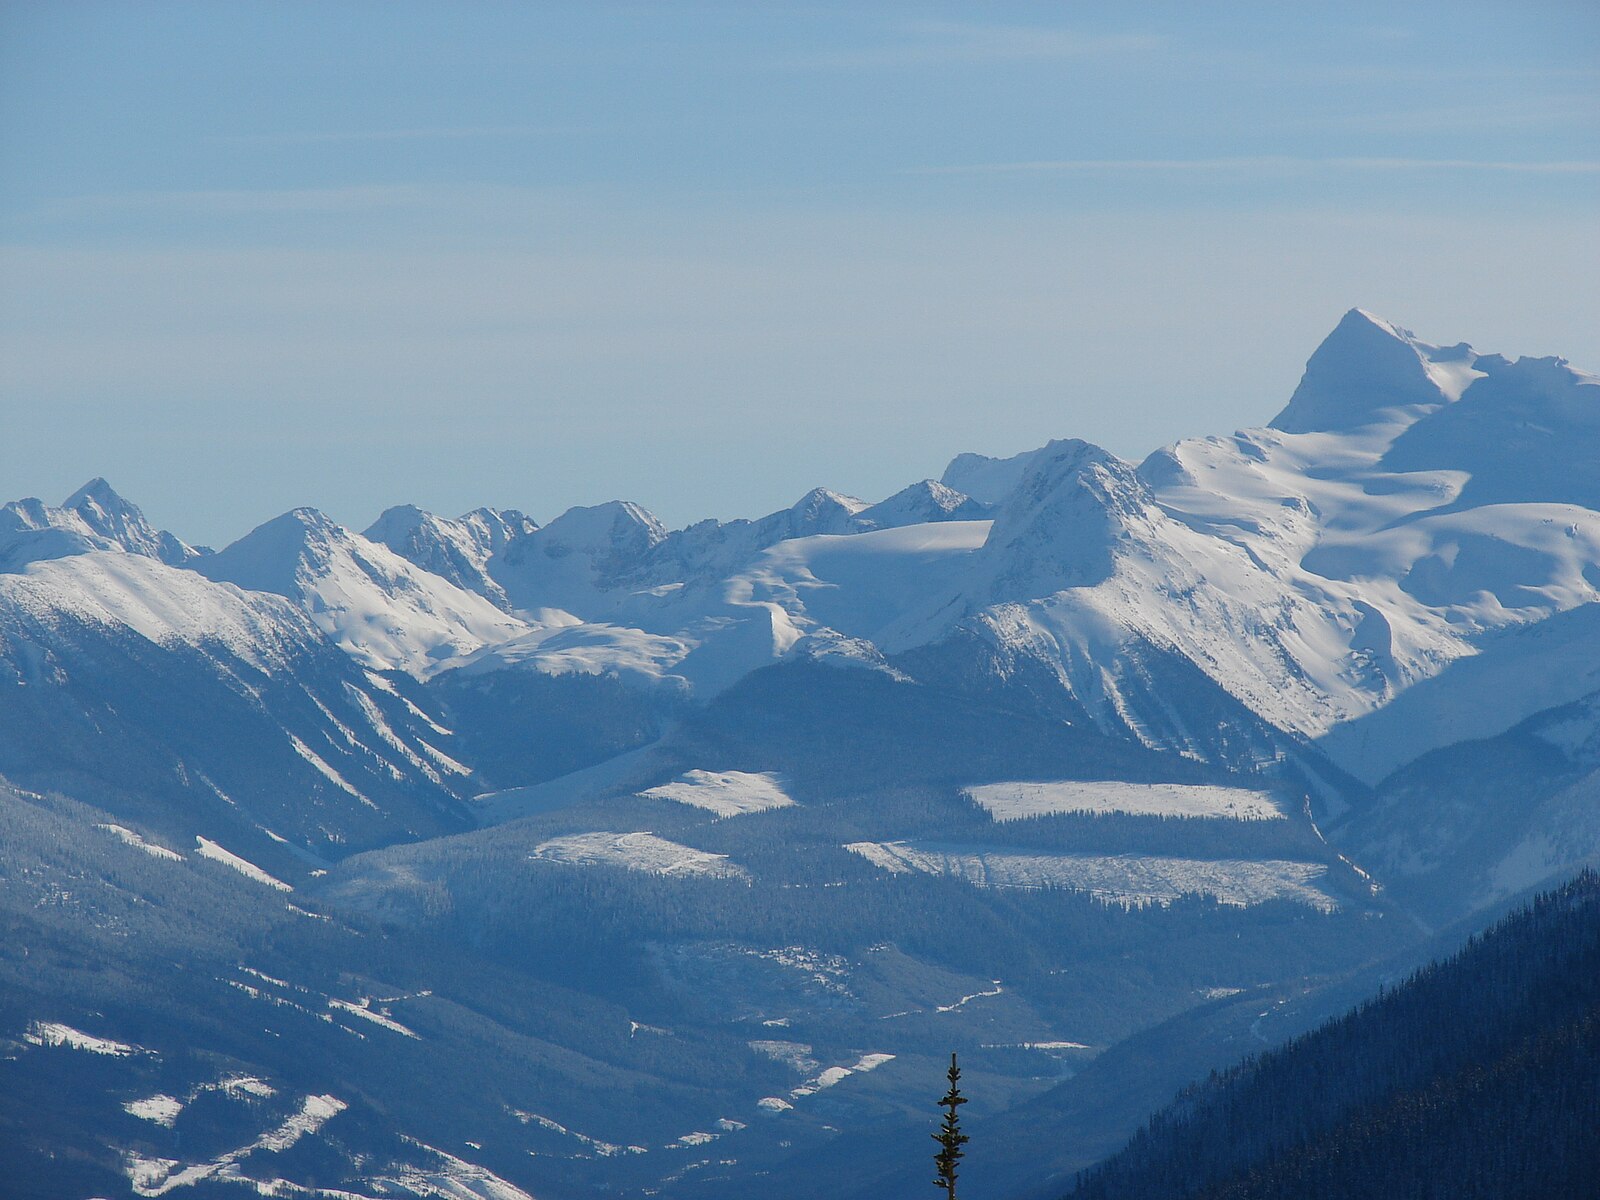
x: 203, y: 710
x: 1469, y: 824
x: 92, y: 518
x: 386, y: 613
x: 1477, y: 1077
x: 455, y: 550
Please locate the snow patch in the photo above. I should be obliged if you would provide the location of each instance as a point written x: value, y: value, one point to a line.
x: 133, y: 839
x: 53, y: 1033
x: 1014, y: 801
x: 162, y: 1110
x: 206, y: 848
x: 640, y: 851
x: 833, y: 1076
x: 726, y: 793
x: 368, y: 1013
x: 1127, y: 879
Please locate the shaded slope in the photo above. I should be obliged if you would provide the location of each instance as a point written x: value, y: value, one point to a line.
x: 1478, y: 1077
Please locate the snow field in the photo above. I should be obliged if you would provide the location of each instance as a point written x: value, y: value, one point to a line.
x: 131, y: 838
x: 162, y: 1110
x: 206, y: 848
x: 726, y: 793
x: 369, y: 1013
x: 1132, y: 881
x: 53, y: 1033
x: 637, y: 852
x: 157, y: 1177
x: 1014, y: 801
x: 831, y: 1076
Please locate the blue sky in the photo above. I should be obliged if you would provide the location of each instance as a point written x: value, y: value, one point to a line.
x: 706, y: 256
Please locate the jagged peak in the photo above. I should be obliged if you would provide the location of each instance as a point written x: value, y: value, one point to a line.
x: 819, y: 499
x: 513, y: 520
x: 111, y: 516
x: 601, y: 526
x: 923, y: 501
x: 268, y: 558
x: 1367, y: 365
x: 1064, y: 458
x: 1060, y: 526
x: 99, y: 493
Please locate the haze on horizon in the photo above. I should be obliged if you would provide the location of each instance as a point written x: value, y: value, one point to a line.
x: 256, y: 255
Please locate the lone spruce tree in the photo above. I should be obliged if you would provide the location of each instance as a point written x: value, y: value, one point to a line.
x: 950, y: 1137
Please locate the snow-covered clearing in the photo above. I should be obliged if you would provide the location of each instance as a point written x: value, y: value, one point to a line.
x: 206, y: 848
x: 53, y: 1033
x: 795, y: 1055
x: 133, y: 839
x: 1127, y: 879
x: 726, y: 793
x: 603, y: 1149
x: 157, y: 1177
x: 365, y: 1011
x: 162, y: 1110
x: 637, y: 852
x: 452, y: 1179
x: 835, y: 1075
x: 1014, y: 801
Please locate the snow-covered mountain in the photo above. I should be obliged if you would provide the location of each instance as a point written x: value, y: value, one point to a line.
x: 93, y: 518
x: 384, y: 611
x: 457, y: 550
x: 1470, y: 824
x: 736, y: 821
x: 1414, y: 510
x: 201, y: 709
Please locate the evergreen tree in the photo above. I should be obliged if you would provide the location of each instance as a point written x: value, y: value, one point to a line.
x: 950, y: 1137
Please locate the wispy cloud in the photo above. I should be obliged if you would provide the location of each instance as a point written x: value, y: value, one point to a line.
x: 1494, y: 112
x: 245, y: 202
x: 939, y: 43
x: 1258, y: 163
x: 323, y: 137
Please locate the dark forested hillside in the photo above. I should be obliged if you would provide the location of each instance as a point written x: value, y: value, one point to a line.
x: 1477, y: 1077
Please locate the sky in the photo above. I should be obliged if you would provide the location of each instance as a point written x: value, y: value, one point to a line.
x: 708, y: 256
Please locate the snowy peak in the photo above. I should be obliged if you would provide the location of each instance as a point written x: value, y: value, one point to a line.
x: 571, y: 562
x: 457, y: 550
x: 823, y: 511
x: 618, y: 528
x: 112, y: 517
x: 986, y: 480
x: 1367, y: 365
x: 919, y: 504
x: 1069, y: 512
x: 387, y: 612
x: 92, y: 518
x: 495, y: 528
x: 274, y: 555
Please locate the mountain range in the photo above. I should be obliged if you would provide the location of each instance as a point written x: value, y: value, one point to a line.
x: 594, y: 857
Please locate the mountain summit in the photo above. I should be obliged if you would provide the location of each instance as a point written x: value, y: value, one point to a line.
x: 1367, y: 365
